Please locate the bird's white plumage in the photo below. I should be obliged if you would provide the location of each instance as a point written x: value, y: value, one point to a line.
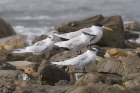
x: 80, y: 61
x: 75, y: 43
x: 94, y: 30
x: 39, y: 47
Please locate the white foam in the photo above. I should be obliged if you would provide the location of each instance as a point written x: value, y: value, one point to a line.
x: 42, y: 17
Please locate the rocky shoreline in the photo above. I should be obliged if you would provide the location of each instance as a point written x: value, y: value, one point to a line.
x: 116, y: 70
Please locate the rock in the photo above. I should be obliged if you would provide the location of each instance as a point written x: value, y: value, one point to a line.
x: 98, y: 78
x: 134, y: 26
x: 12, y: 74
x: 138, y: 51
x: 5, y: 29
x: 13, y: 43
x: 7, y: 86
x: 130, y: 35
x: 115, y: 53
x: 133, y: 45
x: 36, y: 88
x: 57, y: 89
x: 36, y: 60
x: 131, y: 80
x: 122, y: 67
x: 39, y: 38
x: 28, y: 67
x: 62, y: 83
x: 51, y: 74
x: 136, y: 88
x: 95, y: 88
x: 31, y: 89
x: 126, y: 90
x: 8, y: 56
x: 114, y: 39
x: 6, y: 66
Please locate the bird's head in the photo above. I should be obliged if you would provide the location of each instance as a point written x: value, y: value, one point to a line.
x: 94, y: 50
x: 51, y: 37
x: 99, y: 25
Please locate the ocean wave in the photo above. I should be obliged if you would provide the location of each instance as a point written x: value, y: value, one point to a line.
x: 30, y: 32
x: 43, y: 17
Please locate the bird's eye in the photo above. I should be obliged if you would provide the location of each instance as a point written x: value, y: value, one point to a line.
x: 49, y: 37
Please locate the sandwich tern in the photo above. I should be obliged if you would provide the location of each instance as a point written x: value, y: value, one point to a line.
x: 78, y: 42
x: 96, y: 29
x: 39, y: 47
x: 81, y: 61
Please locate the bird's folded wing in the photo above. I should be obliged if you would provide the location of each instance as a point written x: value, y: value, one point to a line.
x: 93, y: 37
x: 40, y: 43
x: 75, y: 42
x: 76, y: 33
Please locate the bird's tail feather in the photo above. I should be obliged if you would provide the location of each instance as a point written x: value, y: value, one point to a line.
x: 21, y: 50
x: 58, y: 63
x: 60, y: 44
x: 61, y: 35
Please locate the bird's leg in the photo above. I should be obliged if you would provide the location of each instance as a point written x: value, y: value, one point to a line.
x: 84, y: 70
x: 44, y: 57
x: 89, y: 46
x: 79, y: 52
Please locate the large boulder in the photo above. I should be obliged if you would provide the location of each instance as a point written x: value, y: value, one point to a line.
x: 13, y: 43
x: 12, y: 74
x: 5, y: 29
x: 8, y: 56
x: 41, y: 89
x: 98, y: 78
x: 51, y: 74
x: 112, y: 39
x: 133, y: 26
x: 123, y: 66
x: 7, y: 86
x: 95, y: 88
x: 6, y: 66
x: 131, y: 80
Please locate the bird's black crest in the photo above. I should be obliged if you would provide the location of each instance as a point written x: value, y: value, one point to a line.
x: 97, y: 24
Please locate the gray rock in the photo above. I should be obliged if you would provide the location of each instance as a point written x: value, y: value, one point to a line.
x: 51, y: 74
x: 131, y: 80
x: 122, y: 67
x: 134, y: 26
x: 62, y: 83
x: 98, y: 78
x: 95, y: 88
x: 6, y: 66
x: 5, y: 29
x: 8, y: 56
x: 12, y: 74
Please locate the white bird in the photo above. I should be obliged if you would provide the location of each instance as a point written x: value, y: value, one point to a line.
x: 39, y: 47
x: 77, y: 43
x: 81, y: 61
x: 96, y: 29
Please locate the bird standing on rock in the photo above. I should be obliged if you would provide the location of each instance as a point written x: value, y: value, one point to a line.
x: 96, y: 29
x: 39, y: 48
x: 81, y: 61
x: 78, y: 42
